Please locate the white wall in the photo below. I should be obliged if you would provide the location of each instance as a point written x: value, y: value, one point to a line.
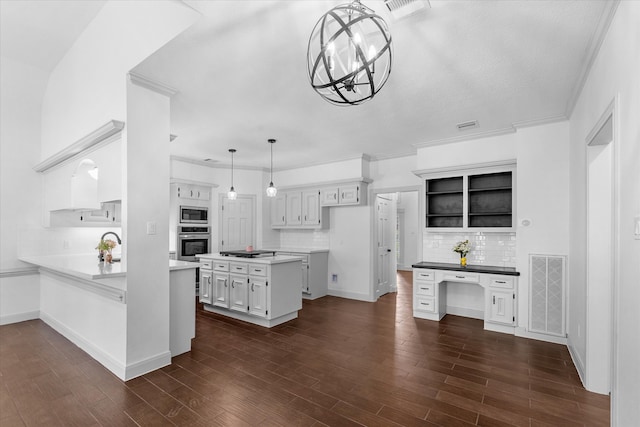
x: 22, y: 87
x: 408, y: 202
x: 88, y: 87
x: 614, y: 73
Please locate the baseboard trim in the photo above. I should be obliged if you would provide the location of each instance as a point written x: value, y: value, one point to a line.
x: 145, y: 366
x: 350, y: 295
x: 577, y: 362
x: 466, y: 312
x: 19, y: 317
x: 98, y: 354
x: 524, y: 333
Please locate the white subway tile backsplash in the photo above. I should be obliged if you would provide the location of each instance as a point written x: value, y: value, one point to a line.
x: 498, y: 249
x: 312, y: 239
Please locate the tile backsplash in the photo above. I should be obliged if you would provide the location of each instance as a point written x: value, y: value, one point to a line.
x: 312, y: 239
x: 498, y: 249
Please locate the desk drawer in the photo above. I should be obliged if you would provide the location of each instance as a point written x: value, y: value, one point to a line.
x: 424, y: 275
x: 428, y: 289
x: 426, y: 304
x: 238, y: 268
x: 462, y: 277
x: 501, y: 282
x: 221, y: 265
x: 258, y: 270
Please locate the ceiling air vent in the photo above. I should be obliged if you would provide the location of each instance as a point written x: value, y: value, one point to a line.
x: 468, y: 125
x: 403, y: 8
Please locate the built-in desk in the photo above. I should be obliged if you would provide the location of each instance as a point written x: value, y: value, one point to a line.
x: 500, y: 292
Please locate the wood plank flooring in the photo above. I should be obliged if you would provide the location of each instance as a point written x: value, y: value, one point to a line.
x: 341, y: 363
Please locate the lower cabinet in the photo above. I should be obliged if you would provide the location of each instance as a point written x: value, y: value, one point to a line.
x: 430, y: 296
x: 314, y: 273
x: 252, y: 290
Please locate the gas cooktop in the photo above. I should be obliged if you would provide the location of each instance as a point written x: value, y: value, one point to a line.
x: 247, y: 254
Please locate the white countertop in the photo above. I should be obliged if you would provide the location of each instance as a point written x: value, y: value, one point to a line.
x: 278, y: 259
x: 299, y: 250
x: 87, y: 266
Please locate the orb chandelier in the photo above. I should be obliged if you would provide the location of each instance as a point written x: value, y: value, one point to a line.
x: 349, y: 54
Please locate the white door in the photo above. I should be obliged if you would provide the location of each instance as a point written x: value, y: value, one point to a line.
x: 237, y: 223
x: 384, y: 242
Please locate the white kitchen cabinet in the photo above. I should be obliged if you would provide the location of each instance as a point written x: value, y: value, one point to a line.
x: 238, y: 292
x: 501, y: 308
x: 220, y: 294
x: 344, y: 195
x: 430, y: 294
x: 258, y: 296
x: 264, y: 291
x: 279, y: 210
x: 206, y: 286
x: 314, y: 271
x: 297, y: 210
x: 294, y: 208
x: 192, y: 192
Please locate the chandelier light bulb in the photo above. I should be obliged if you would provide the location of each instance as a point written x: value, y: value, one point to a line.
x: 271, y: 189
x: 232, y: 195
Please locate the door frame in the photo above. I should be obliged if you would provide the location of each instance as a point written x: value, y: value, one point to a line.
x: 373, y: 192
x: 221, y: 198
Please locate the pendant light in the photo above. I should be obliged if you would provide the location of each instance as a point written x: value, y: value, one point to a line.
x: 271, y: 189
x: 232, y: 195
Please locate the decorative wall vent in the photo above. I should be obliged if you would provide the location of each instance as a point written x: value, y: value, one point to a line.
x: 468, y: 125
x: 403, y: 8
x: 547, y: 294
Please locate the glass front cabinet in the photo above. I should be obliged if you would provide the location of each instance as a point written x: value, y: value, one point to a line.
x: 477, y: 200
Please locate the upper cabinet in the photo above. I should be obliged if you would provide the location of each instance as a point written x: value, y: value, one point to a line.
x: 297, y: 209
x: 479, y: 199
x: 350, y: 194
x: 192, y: 192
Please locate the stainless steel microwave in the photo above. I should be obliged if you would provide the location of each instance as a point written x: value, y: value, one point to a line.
x: 194, y: 215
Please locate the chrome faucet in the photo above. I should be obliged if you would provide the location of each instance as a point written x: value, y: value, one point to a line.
x: 111, y: 232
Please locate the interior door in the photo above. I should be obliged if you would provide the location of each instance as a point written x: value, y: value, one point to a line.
x: 237, y: 223
x: 384, y: 242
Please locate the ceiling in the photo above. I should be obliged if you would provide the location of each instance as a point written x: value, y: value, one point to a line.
x: 241, y: 76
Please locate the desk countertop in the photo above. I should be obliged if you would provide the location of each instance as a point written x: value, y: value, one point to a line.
x: 509, y: 271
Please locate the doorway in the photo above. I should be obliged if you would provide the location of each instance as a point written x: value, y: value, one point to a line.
x: 237, y: 223
x: 396, y: 243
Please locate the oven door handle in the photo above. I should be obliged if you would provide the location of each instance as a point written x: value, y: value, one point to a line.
x: 191, y: 236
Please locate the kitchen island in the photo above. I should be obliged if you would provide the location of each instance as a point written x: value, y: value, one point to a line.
x: 86, y: 301
x: 264, y: 290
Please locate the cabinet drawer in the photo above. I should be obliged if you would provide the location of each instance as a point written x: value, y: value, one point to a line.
x: 462, y: 277
x: 238, y: 268
x: 258, y: 270
x: 221, y: 266
x: 206, y: 264
x: 501, y: 282
x: 428, y: 289
x: 424, y: 275
x: 426, y: 304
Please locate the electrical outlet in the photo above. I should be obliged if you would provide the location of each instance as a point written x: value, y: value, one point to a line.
x: 151, y: 227
x: 334, y: 278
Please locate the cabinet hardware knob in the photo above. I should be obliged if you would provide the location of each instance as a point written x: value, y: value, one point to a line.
x: 460, y: 277
x: 494, y: 299
x: 252, y: 287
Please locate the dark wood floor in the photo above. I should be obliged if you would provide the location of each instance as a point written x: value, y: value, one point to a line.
x: 341, y: 363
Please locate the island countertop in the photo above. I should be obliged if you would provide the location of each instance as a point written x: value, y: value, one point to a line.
x: 509, y: 271
x: 277, y: 259
x: 87, y: 266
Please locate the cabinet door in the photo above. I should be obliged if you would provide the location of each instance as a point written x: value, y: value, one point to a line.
x: 311, y: 208
x: 220, y: 295
x: 278, y: 210
x: 206, y: 287
x: 305, y: 278
x: 258, y: 297
x: 329, y: 197
x: 294, y: 208
x: 238, y: 293
x: 349, y: 195
x: 501, y: 307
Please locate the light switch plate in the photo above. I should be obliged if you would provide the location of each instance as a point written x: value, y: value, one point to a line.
x: 151, y: 227
x: 636, y: 228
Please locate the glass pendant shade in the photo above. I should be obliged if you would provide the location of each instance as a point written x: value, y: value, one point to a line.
x: 349, y: 54
x: 271, y: 189
x: 232, y: 195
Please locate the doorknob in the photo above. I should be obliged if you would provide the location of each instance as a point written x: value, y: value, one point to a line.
x: 388, y: 250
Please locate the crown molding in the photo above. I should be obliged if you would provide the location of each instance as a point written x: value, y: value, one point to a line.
x: 539, y: 122
x: 466, y: 137
x: 496, y: 164
x: 154, y: 85
x: 101, y: 136
x: 379, y: 157
x: 364, y: 156
x: 592, y: 53
x: 214, y: 164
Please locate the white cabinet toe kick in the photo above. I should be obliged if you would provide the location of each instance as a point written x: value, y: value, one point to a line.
x: 490, y: 296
